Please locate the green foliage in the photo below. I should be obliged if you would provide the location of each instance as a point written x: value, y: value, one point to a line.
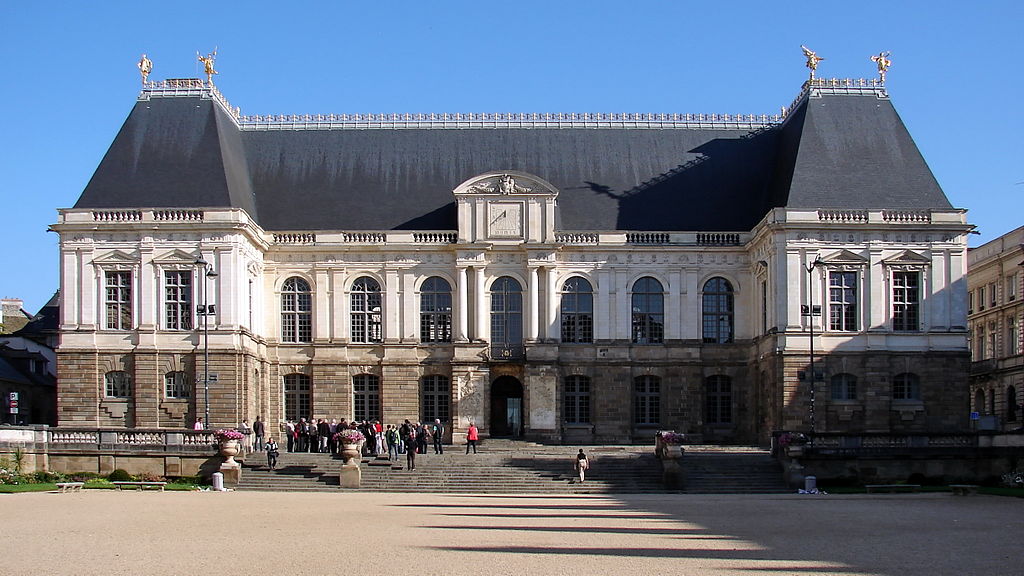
x: 120, y: 475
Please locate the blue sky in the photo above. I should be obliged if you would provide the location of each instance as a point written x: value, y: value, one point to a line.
x: 70, y: 78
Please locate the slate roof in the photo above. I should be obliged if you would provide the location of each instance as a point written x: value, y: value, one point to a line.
x: 833, y: 151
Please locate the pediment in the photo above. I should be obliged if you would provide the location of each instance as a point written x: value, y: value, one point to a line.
x: 845, y: 258
x: 506, y: 183
x: 176, y: 257
x: 907, y: 258
x: 116, y: 257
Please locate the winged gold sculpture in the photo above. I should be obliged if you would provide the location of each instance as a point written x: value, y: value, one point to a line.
x: 882, y: 59
x: 812, y: 59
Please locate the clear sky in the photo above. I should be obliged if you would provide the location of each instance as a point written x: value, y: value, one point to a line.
x: 70, y: 78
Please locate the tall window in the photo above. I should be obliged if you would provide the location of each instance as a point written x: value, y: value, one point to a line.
x: 906, y: 297
x: 993, y: 300
x: 718, y: 311
x: 297, y: 397
x: 842, y: 308
x: 844, y: 387
x: 981, y: 298
x: 906, y: 386
x: 993, y: 341
x: 367, y: 321
x: 366, y: 390
x: 577, y: 311
x: 296, y: 312
x: 648, y: 311
x: 1011, y: 287
x: 119, y: 300
x: 435, y: 398
x: 176, y: 385
x: 979, y: 343
x: 1011, y: 336
x: 1011, y: 404
x: 118, y: 384
x: 646, y: 400
x: 178, y: 299
x: 576, y: 400
x: 436, y: 310
x: 991, y: 401
x: 506, y: 318
x: 718, y: 398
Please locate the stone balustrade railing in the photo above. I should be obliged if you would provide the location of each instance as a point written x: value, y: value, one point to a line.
x: 179, y: 440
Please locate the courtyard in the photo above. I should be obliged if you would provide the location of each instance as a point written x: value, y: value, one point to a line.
x: 110, y: 533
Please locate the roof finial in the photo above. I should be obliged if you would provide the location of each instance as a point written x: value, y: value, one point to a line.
x: 812, y: 59
x: 882, y: 59
x: 208, y: 62
x: 145, y: 67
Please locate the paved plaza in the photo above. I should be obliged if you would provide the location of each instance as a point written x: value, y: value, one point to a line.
x: 111, y: 533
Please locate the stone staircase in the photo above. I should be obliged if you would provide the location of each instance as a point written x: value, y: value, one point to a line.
x: 504, y: 466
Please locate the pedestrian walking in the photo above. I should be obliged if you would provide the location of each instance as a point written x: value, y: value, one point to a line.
x: 410, y: 451
x: 259, y: 430
x: 582, y: 465
x: 438, y: 433
x: 272, y: 453
x: 472, y: 435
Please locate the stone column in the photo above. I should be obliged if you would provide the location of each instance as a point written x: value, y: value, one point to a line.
x: 603, y: 310
x: 481, y: 303
x: 461, y: 306
x: 390, y: 306
x: 551, y: 331
x: 532, y: 312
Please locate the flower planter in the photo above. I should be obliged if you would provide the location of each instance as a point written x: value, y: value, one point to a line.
x: 229, y: 449
x: 349, y: 450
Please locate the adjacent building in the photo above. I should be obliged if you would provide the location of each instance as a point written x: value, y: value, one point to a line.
x: 995, y: 318
x: 561, y: 277
x: 28, y: 363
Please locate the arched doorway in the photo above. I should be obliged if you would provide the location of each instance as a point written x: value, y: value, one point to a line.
x: 507, y: 407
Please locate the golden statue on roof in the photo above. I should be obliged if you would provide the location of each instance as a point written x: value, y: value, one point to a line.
x: 812, y: 59
x: 882, y: 59
x: 208, y: 62
x: 145, y: 67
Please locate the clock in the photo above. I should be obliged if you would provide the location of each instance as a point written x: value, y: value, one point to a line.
x: 505, y: 220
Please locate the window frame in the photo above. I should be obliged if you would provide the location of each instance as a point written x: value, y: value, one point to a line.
x: 117, y: 385
x: 576, y: 399
x: 646, y: 401
x: 843, y: 387
x: 906, y: 300
x: 296, y: 311
x: 647, y: 306
x: 435, y: 398
x: 366, y: 404
x: 119, y: 310
x: 298, y: 394
x: 178, y: 300
x: 843, y: 309
x: 576, y: 311
x: 906, y: 387
x: 718, y: 311
x: 718, y: 400
x: 366, y: 311
x: 177, y: 386
x: 435, y: 311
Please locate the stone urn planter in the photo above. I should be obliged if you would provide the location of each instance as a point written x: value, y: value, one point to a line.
x: 229, y: 449
x: 349, y: 451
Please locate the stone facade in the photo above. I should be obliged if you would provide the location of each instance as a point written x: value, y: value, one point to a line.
x: 718, y: 355
x: 995, y: 284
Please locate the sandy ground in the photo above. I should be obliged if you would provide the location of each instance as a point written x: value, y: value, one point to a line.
x: 257, y: 533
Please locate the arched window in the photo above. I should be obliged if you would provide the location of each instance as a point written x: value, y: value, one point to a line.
x: 118, y: 384
x: 577, y: 311
x: 366, y: 396
x: 718, y: 311
x: 297, y: 398
x: 435, y: 398
x: 906, y: 386
x: 176, y: 385
x: 718, y: 400
x: 296, y: 311
x: 647, y: 400
x: 844, y: 387
x: 576, y: 400
x: 506, y: 318
x: 648, y: 311
x: 1011, y: 404
x: 436, y: 310
x: 367, y: 321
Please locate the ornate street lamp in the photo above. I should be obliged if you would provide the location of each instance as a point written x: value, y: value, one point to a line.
x: 205, y: 310
x: 809, y: 311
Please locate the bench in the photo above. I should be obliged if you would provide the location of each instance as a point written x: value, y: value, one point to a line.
x: 963, y: 489
x: 70, y: 486
x: 141, y: 485
x: 892, y: 488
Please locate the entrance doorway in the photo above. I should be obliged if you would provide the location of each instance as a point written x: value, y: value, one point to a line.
x: 507, y: 408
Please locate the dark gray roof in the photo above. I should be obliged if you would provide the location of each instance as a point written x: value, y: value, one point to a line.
x: 842, y: 151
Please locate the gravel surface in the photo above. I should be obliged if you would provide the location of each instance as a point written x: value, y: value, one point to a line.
x: 111, y: 533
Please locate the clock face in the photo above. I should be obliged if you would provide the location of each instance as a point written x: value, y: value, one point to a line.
x: 505, y: 220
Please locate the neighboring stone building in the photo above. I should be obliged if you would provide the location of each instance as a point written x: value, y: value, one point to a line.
x: 565, y: 277
x: 995, y: 319
x: 28, y: 363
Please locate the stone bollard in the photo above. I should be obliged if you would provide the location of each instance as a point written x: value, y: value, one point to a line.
x: 351, y: 476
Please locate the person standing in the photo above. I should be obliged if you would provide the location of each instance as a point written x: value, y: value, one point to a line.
x: 288, y: 427
x: 410, y: 450
x: 198, y: 425
x: 582, y: 465
x: 391, y: 437
x: 259, y: 430
x: 438, y: 433
x: 472, y: 435
x: 272, y: 453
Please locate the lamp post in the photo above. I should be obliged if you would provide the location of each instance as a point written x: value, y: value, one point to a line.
x: 205, y: 310
x: 810, y: 311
